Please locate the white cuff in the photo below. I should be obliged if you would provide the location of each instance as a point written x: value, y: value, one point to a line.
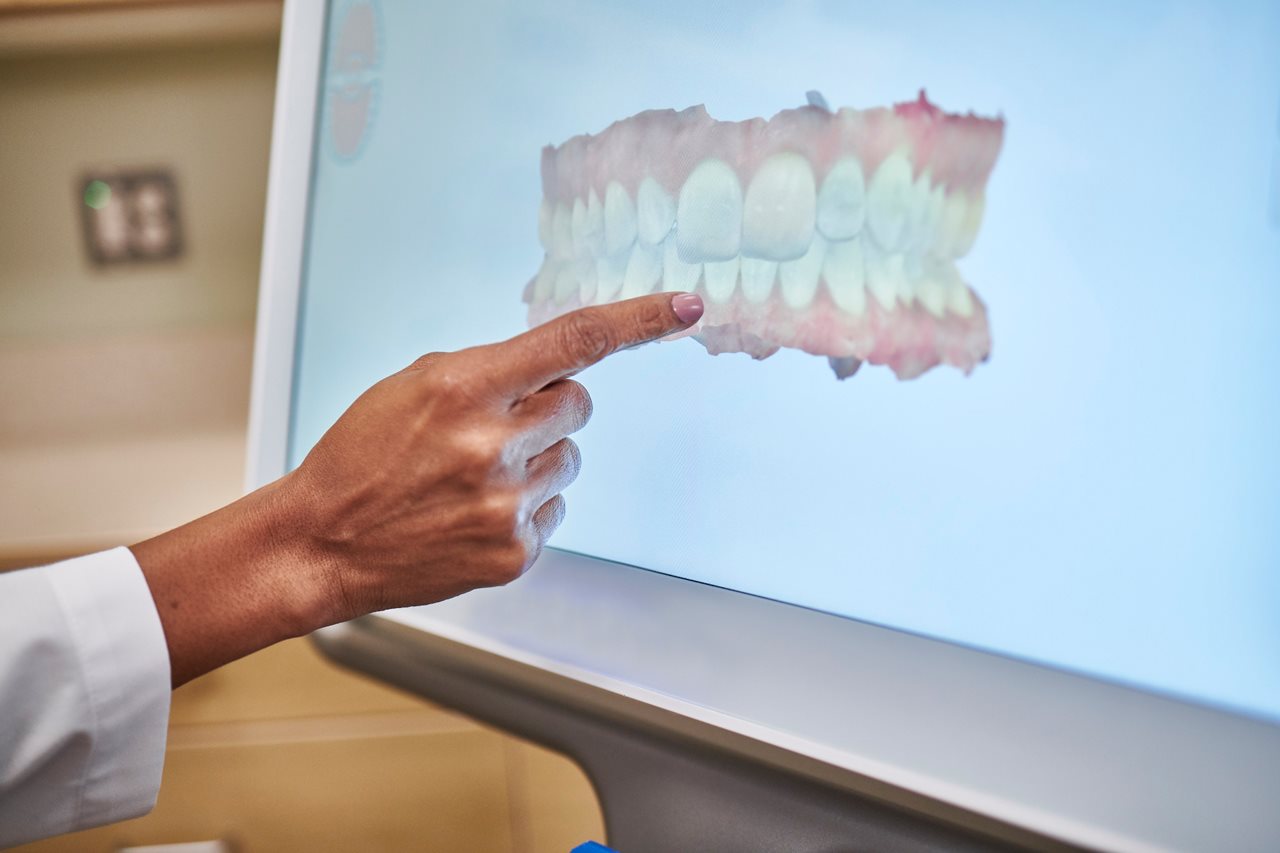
x: 84, y: 696
x: 125, y: 664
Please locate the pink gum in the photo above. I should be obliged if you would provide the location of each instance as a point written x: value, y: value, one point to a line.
x: 906, y: 338
x: 959, y: 150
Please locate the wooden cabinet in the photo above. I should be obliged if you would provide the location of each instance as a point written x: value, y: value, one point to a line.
x: 283, y: 752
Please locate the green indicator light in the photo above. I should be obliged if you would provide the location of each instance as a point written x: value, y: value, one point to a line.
x: 97, y: 194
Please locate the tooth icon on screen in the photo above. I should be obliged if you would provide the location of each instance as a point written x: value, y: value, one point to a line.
x: 352, y: 85
x: 832, y: 232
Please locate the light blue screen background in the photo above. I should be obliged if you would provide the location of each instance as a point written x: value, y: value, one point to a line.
x: 1103, y: 495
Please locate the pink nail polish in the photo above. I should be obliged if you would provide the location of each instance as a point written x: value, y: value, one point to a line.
x: 688, y: 307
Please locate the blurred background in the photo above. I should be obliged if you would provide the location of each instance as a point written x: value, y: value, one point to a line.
x: 134, y: 141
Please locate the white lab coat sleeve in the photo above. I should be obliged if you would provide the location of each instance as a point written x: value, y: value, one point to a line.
x: 84, y: 696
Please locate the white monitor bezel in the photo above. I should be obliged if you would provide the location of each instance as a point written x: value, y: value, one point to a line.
x: 1098, y: 764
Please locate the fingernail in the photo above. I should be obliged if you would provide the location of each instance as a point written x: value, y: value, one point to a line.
x: 688, y: 307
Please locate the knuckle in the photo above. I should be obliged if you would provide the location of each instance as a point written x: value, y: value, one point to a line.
x: 586, y: 335
x: 481, y: 455
x: 510, y: 562
x: 500, y: 516
x: 447, y: 381
x: 422, y: 362
x: 651, y: 319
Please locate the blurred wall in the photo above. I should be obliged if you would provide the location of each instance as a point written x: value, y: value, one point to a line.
x: 204, y: 111
x: 124, y: 390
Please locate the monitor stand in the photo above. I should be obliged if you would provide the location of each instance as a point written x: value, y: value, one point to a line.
x: 666, y: 783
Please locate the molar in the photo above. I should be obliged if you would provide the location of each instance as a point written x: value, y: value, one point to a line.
x: 721, y: 278
x: 757, y: 278
x: 644, y: 269
x: 709, y: 213
x: 959, y: 297
x: 954, y: 213
x: 924, y: 214
x: 931, y: 292
x: 842, y: 201
x: 846, y: 275
x: 655, y: 212
x: 619, y: 219
x: 799, y: 278
x: 778, y: 211
x: 889, y: 201
x: 969, y: 224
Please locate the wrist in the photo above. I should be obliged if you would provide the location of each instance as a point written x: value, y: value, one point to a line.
x: 297, y: 572
x: 237, y: 580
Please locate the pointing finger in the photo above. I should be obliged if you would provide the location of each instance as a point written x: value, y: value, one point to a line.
x: 581, y: 338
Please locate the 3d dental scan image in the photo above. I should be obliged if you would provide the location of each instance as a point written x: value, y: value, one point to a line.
x: 947, y: 195
x: 835, y: 233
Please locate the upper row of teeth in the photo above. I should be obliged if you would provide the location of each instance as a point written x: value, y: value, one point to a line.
x: 777, y: 218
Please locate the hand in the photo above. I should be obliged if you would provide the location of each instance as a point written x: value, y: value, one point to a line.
x: 439, y: 479
x: 447, y: 475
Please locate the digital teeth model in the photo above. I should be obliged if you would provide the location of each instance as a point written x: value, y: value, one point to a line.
x: 835, y: 233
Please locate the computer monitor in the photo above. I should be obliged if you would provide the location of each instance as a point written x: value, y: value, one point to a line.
x: 978, y: 501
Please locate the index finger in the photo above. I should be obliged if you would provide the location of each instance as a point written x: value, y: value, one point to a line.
x: 579, y: 339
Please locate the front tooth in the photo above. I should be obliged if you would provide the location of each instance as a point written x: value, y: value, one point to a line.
x: 889, y: 201
x: 544, y: 284
x: 566, y: 282
x: 655, y: 212
x: 676, y: 274
x: 842, y: 201
x: 709, y: 213
x: 885, y: 277
x: 593, y: 229
x: 546, y: 211
x: 562, y: 232
x: 969, y: 224
x: 619, y: 219
x: 954, y: 213
x: 584, y: 270
x: 610, y: 271
x: 846, y: 275
x: 799, y: 278
x: 721, y: 278
x: 778, y: 211
x: 578, y: 227
x: 644, y: 268
x: 757, y: 278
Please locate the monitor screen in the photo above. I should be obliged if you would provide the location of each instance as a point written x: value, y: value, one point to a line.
x: 1055, y: 271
